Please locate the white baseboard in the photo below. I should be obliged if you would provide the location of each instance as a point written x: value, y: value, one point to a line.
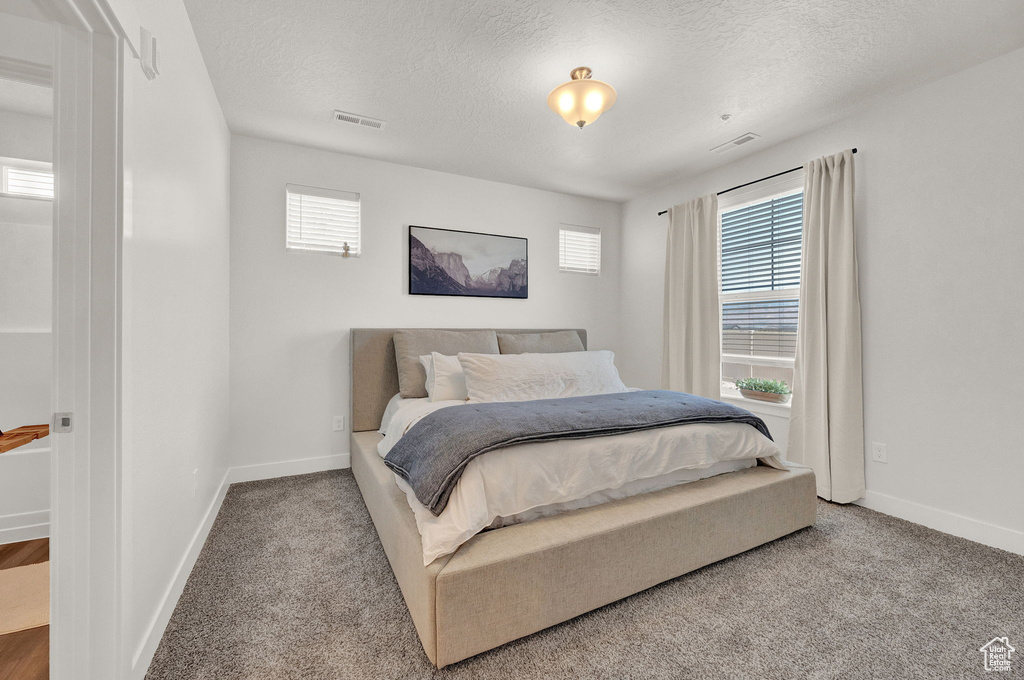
x: 975, y: 530
x: 287, y: 468
x: 24, y: 526
x: 244, y: 473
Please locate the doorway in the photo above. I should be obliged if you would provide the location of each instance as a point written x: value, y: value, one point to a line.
x: 27, y: 50
x: 77, y: 317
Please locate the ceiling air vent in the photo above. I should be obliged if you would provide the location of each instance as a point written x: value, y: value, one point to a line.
x: 733, y: 143
x: 356, y: 119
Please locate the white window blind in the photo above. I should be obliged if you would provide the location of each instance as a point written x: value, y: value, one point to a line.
x: 760, y: 259
x: 579, y: 249
x: 26, y: 179
x: 322, y: 220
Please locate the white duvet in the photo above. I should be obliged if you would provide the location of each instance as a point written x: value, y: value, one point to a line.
x: 527, y: 481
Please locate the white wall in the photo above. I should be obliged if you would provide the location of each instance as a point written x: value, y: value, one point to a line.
x: 291, y: 312
x: 26, y: 273
x: 176, y: 262
x: 939, y: 207
x: 25, y: 136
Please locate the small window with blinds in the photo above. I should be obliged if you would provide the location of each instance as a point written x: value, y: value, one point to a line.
x: 323, y: 221
x: 579, y: 250
x: 761, y: 243
x: 26, y: 179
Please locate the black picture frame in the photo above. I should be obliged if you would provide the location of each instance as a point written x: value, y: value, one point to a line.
x: 450, y: 277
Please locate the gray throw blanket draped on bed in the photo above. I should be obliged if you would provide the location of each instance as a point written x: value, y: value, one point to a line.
x: 431, y: 456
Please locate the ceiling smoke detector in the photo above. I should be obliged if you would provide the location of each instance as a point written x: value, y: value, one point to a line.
x: 733, y: 143
x: 356, y: 119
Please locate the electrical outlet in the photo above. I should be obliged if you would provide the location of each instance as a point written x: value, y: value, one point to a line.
x: 339, y: 423
x: 195, y: 482
x: 878, y: 453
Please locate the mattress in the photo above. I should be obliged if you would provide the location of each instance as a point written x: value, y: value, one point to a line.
x: 530, y: 481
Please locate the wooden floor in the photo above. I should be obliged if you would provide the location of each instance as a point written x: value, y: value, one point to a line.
x: 25, y: 655
x: 24, y: 553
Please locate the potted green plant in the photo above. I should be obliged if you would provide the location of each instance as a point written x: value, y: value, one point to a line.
x: 763, y: 389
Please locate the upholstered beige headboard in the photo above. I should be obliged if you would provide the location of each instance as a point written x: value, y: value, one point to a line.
x: 374, y: 370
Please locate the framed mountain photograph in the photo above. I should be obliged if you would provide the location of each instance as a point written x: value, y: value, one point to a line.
x: 466, y: 263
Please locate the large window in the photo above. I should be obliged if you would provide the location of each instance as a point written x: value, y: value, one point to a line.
x: 322, y: 220
x: 761, y: 240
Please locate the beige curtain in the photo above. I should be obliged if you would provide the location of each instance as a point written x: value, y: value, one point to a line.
x: 692, y: 347
x: 826, y: 423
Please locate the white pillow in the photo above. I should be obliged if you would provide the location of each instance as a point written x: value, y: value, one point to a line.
x: 445, y: 379
x: 522, y: 377
x: 428, y: 366
x: 389, y: 413
x: 449, y: 379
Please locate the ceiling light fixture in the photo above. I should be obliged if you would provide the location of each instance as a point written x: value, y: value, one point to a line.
x: 582, y: 100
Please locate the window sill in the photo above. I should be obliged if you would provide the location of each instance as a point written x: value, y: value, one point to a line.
x: 756, y: 406
x: 335, y: 253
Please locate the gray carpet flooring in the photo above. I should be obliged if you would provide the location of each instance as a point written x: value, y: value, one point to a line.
x: 293, y: 584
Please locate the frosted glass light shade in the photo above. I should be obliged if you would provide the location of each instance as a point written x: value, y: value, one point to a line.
x: 582, y: 100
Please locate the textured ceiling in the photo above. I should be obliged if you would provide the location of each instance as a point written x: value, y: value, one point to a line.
x: 462, y: 85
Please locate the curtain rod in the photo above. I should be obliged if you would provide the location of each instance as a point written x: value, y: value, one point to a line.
x: 778, y: 174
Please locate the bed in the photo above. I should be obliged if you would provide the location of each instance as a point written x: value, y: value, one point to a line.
x: 510, y: 582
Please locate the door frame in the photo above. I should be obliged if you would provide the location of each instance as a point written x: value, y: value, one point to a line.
x: 85, y: 479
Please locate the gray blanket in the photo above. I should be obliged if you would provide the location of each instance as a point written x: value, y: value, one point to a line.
x: 431, y: 456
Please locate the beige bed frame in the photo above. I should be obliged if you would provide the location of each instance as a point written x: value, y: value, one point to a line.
x: 504, y: 584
